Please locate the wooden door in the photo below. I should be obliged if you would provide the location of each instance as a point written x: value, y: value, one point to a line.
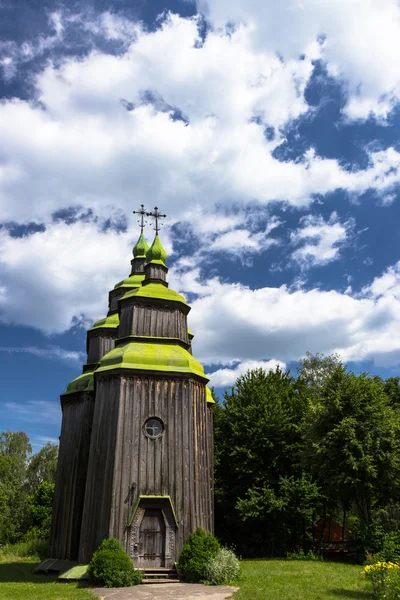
x: 152, y: 539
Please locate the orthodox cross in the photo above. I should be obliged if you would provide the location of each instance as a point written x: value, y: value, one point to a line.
x: 156, y: 216
x: 142, y: 214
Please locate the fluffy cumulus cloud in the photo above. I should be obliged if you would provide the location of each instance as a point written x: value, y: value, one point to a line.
x: 53, y: 279
x: 227, y: 376
x: 182, y: 120
x: 319, y: 240
x: 359, y: 41
x: 169, y: 118
x: 236, y: 323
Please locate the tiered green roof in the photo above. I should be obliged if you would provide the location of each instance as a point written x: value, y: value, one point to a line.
x: 155, y: 290
x: 109, y: 322
x: 150, y: 356
x: 83, y: 383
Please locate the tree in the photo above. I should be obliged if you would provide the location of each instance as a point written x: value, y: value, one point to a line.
x: 315, y: 369
x: 42, y: 467
x: 392, y: 390
x: 258, y: 445
x: 14, y: 451
x: 38, y: 510
x: 354, y: 442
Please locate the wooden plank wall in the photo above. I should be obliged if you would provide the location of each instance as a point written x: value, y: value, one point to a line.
x: 71, y: 475
x: 155, y: 321
x: 98, y: 498
x: 99, y: 344
x: 178, y: 464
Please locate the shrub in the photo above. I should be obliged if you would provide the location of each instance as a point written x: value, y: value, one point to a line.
x: 365, y: 539
x: 385, y: 580
x: 111, y: 566
x: 390, y: 551
x: 31, y: 547
x: 301, y: 555
x: 198, y: 550
x: 223, y: 568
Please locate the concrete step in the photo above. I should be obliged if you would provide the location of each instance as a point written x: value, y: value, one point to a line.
x: 164, y: 580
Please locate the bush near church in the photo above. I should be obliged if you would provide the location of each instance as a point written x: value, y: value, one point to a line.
x: 111, y: 566
x: 223, y: 568
x: 203, y: 560
x: 196, y: 553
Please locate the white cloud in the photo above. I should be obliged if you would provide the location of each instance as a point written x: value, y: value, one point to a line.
x: 50, y: 352
x: 50, y: 279
x: 232, y: 322
x: 320, y: 239
x: 34, y: 411
x: 241, y: 241
x: 361, y: 41
x: 227, y: 376
x: 81, y: 145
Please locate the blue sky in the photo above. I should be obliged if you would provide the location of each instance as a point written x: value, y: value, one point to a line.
x: 269, y: 134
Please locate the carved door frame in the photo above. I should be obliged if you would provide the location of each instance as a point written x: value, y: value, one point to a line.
x: 164, y: 504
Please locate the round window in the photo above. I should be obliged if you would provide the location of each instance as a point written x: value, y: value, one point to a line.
x: 153, y: 428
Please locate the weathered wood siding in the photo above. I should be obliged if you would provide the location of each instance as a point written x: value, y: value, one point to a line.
x: 103, y: 455
x: 155, y: 272
x: 155, y: 321
x: 71, y: 476
x: 177, y: 464
x: 99, y: 343
x: 114, y: 296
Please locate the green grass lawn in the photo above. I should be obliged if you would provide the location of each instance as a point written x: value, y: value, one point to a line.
x: 299, y: 580
x: 17, y: 582
x: 261, y: 580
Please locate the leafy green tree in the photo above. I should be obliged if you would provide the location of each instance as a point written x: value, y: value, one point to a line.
x: 354, y: 442
x: 42, y: 467
x: 38, y: 510
x: 14, y: 451
x: 314, y: 370
x: 392, y: 390
x: 258, y: 446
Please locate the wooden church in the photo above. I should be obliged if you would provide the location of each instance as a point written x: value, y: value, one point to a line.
x: 136, y: 457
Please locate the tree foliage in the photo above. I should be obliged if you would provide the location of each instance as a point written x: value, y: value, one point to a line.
x: 26, y: 487
x: 290, y: 450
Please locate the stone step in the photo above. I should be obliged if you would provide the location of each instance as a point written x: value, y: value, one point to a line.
x: 164, y: 580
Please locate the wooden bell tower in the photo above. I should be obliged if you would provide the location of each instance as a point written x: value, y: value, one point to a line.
x: 143, y: 454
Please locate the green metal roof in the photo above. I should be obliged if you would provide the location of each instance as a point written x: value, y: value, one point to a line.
x: 150, y: 356
x: 155, y: 290
x: 156, y: 253
x: 131, y: 281
x: 167, y: 498
x: 141, y: 247
x: 209, y: 397
x: 83, y: 383
x: 110, y: 322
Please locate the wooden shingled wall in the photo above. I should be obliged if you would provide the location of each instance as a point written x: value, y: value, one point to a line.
x: 125, y: 464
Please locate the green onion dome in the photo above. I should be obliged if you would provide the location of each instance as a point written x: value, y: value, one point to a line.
x: 141, y: 247
x: 156, y: 253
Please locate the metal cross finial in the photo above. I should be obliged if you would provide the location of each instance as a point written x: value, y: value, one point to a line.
x: 142, y: 214
x: 156, y: 216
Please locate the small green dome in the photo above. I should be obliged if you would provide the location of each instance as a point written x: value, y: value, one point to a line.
x: 149, y: 356
x: 83, y: 383
x: 110, y: 322
x: 156, y: 253
x: 141, y: 247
